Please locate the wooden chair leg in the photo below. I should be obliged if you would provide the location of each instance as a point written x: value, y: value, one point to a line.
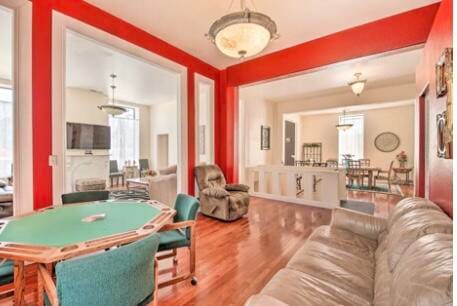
x: 155, y: 296
x: 40, y: 290
x: 19, y: 283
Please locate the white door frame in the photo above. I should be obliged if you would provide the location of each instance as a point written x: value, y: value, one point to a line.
x: 22, y: 110
x: 202, y: 79
x: 62, y: 23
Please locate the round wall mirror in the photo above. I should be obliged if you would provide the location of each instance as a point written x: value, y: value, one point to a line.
x: 387, y: 142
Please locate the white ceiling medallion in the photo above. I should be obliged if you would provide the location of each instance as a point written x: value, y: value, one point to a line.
x: 243, y: 34
x: 111, y: 108
x: 358, y: 85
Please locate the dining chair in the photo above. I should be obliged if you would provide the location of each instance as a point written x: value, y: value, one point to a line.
x: 332, y: 163
x: 354, y: 173
x: 385, y: 175
x: 126, y: 275
x: 180, y: 234
x: 115, y: 173
x: 85, y: 196
x: 144, y: 166
x: 365, y: 162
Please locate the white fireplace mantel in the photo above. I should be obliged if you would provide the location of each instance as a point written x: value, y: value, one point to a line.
x: 85, y: 166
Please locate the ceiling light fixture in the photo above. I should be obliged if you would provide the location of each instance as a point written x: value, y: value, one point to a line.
x: 358, y: 85
x: 343, y: 126
x: 243, y: 34
x: 111, y: 108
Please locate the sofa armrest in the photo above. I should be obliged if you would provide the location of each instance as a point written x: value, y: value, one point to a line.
x: 262, y: 300
x: 362, y: 224
x: 218, y: 193
x: 237, y: 187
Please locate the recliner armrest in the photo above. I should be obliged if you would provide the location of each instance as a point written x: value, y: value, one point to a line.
x: 218, y: 193
x: 358, y: 223
x: 237, y: 187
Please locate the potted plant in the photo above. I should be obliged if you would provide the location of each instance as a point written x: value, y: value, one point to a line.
x: 402, y: 159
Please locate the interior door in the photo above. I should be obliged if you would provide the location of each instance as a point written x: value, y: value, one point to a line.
x: 289, y: 143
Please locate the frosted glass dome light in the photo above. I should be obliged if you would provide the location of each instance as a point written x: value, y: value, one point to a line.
x: 242, y: 34
x: 358, y: 85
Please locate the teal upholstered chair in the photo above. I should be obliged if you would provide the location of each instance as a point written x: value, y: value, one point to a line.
x: 6, y: 276
x: 180, y: 234
x: 122, y: 276
x: 85, y: 196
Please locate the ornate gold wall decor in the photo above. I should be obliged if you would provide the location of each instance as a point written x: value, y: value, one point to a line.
x: 444, y: 121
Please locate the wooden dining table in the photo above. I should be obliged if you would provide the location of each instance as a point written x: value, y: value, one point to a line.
x: 63, y: 232
x: 369, y: 172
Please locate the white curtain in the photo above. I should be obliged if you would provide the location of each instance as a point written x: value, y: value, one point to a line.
x: 6, y: 132
x: 125, y: 137
x: 351, y: 140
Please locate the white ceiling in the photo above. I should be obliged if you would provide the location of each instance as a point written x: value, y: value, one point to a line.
x: 380, y: 71
x: 6, y: 44
x: 90, y: 64
x: 183, y: 23
x: 356, y: 108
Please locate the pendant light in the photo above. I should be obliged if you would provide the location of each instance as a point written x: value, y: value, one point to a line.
x: 111, y: 108
x: 358, y: 85
x: 244, y: 33
x: 343, y: 126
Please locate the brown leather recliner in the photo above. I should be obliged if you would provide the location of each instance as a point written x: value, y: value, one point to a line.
x: 218, y: 199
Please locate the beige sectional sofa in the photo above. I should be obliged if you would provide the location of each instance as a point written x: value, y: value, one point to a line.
x: 363, y: 260
x: 163, y: 187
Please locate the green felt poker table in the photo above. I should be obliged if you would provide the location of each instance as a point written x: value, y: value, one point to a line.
x: 63, y: 232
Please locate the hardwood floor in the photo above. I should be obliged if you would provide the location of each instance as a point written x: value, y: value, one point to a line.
x: 235, y: 260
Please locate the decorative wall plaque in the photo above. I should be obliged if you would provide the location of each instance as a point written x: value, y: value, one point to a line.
x: 387, y: 142
x: 444, y: 121
x: 264, y: 137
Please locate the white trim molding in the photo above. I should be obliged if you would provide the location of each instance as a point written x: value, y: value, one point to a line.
x: 22, y: 85
x: 62, y: 24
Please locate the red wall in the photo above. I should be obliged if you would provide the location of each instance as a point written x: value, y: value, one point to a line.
x: 388, y: 34
x: 398, y: 31
x: 440, y: 170
x: 42, y: 79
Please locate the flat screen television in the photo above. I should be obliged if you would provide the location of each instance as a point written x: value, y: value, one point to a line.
x: 88, y: 136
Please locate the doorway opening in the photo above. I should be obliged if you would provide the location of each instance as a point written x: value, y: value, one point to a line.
x: 162, y: 151
x: 7, y: 112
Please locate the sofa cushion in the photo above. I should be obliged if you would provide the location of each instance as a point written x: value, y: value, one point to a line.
x: 383, y: 276
x: 296, y: 288
x: 340, y: 258
x: 412, y: 226
x: 407, y: 205
x: 169, y: 170
x: 423, y: 275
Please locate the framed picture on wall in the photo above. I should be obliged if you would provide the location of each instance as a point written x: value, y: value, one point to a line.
x: 264, y: 137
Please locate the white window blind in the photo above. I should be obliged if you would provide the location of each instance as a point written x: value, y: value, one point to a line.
x: 351, y: 140
x: 125, y: 136
x: 6, y: 131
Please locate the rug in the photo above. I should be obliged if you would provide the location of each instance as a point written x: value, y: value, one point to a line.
x: 363, y: 207
x: 395, y: 189
x: 129, y: 195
